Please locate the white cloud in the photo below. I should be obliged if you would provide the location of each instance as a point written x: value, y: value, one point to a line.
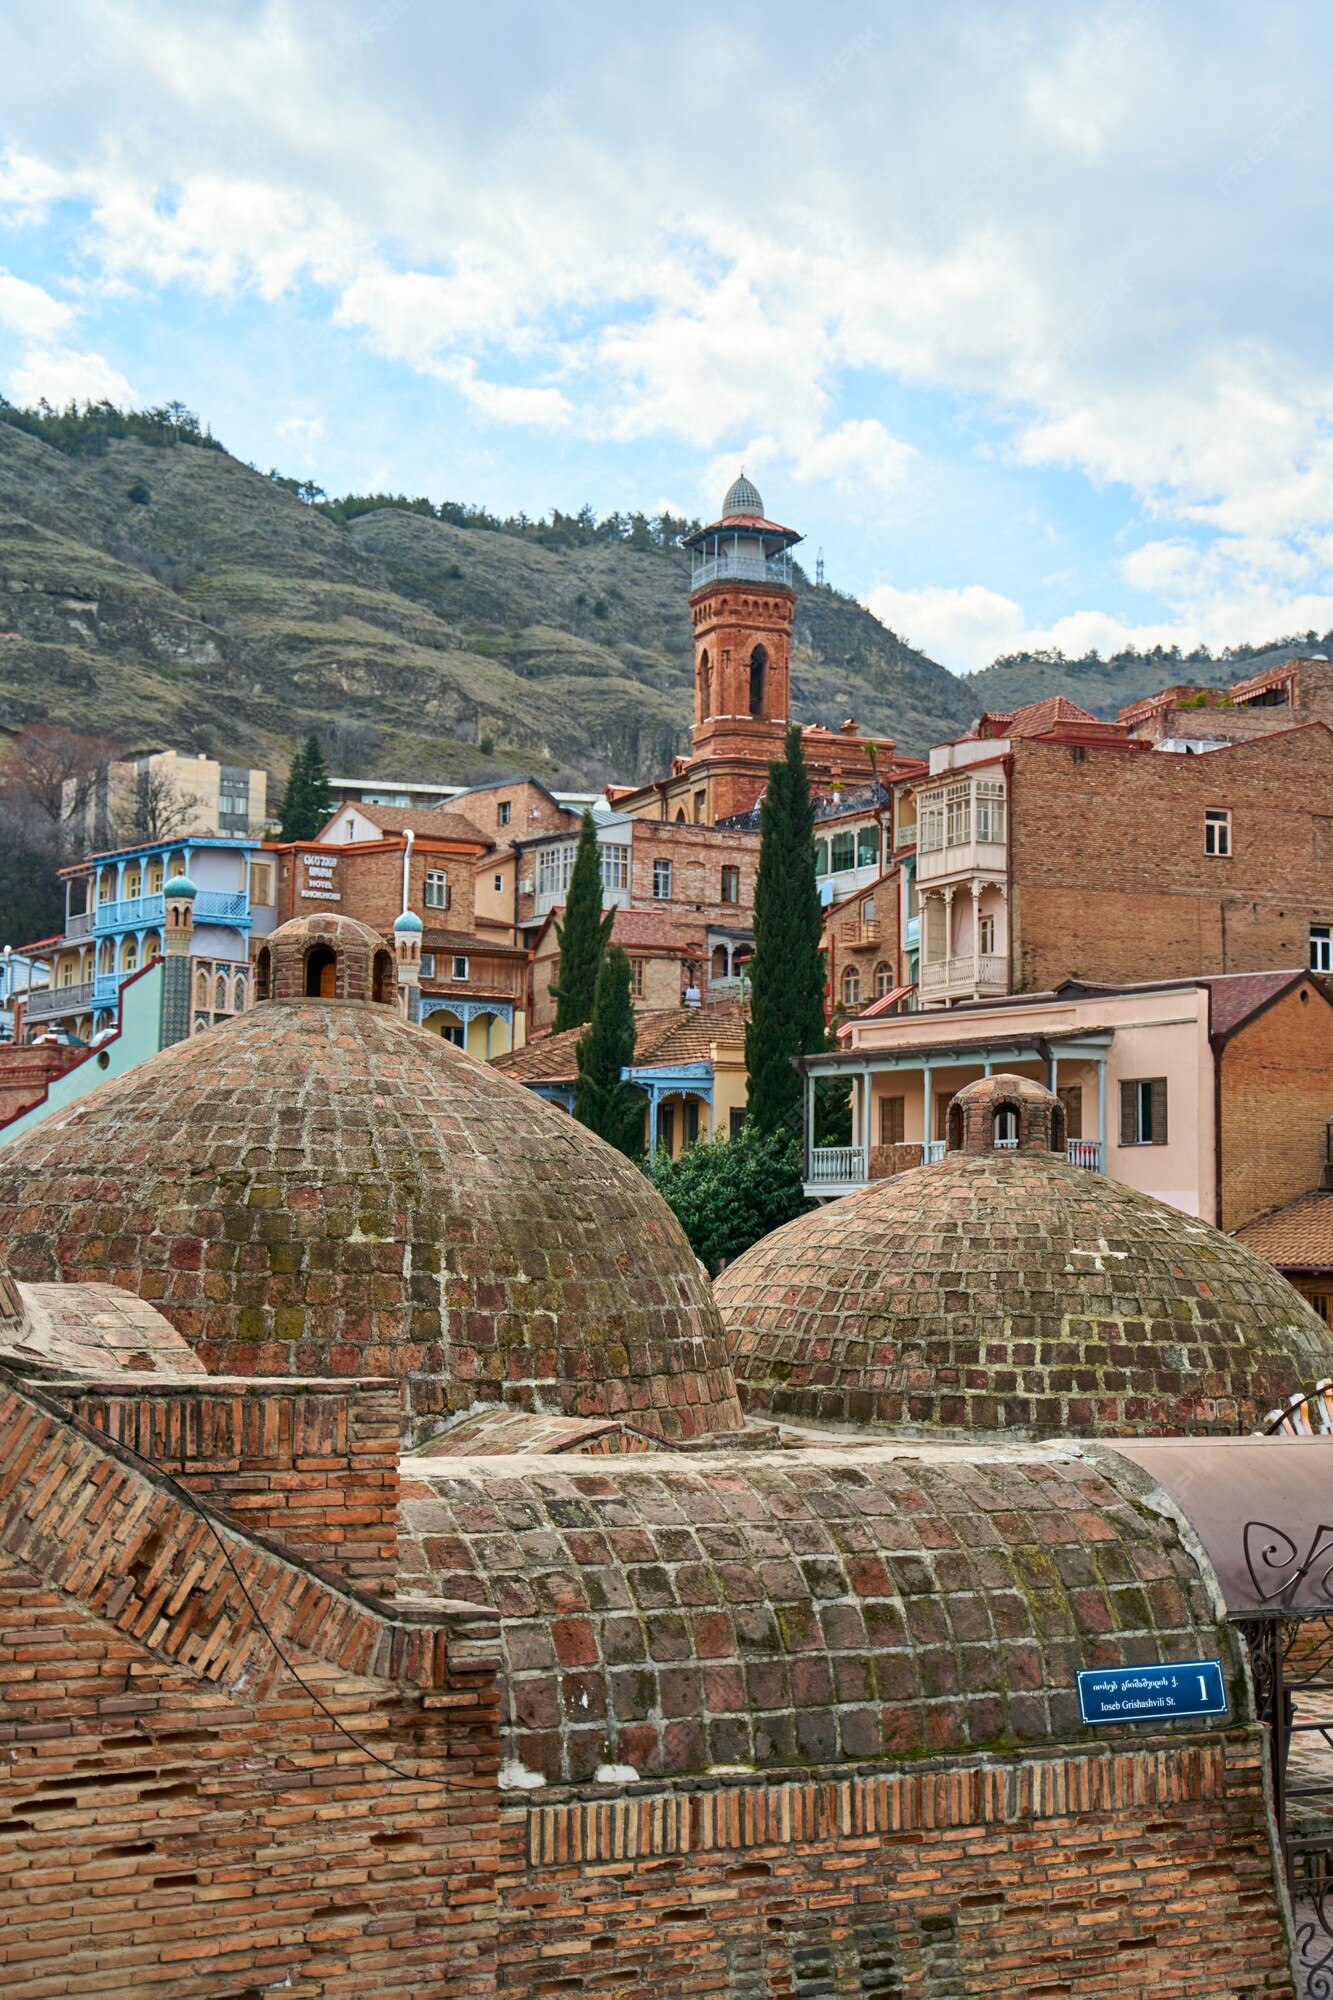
x: 30, y: 311
x: 305, y: 430
x: 61, y: 375
x: 963, y: 628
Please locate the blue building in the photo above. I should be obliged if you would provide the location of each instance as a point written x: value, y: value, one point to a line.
x: 115, y: 912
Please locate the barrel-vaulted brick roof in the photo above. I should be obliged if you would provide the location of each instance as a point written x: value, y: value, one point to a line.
x: 1008, y: 1291
x: 676, y: 1616
x: 319, y: 1188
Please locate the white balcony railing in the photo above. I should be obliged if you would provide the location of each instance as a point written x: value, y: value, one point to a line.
x: 933, y: 1150
x: 1084, y: 1153
x: 988, y: 974
x: 837, y: 1166
x: 48, y: 1002
x: 845, y: 1167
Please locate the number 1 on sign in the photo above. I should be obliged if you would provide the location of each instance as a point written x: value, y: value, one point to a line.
x: 1203, y: 1689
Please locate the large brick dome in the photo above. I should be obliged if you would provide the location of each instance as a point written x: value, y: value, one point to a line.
x: 1004, y: 1290
x: 319, y: 1188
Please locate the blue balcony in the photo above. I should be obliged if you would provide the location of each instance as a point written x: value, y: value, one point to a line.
x: 131, y: 913
x: 106, y: 986
x: 211, y: 906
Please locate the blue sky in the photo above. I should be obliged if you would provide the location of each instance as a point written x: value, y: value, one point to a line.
x: 1020, y: 312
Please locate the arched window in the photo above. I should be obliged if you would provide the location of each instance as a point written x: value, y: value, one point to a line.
x: 106, y: 956
x: 680, y: 815
x: 884, y: 981
x: 955, y: 1128
x: 201, y: 987
x: 758, y: 666
x: 1059, y: 1128
x: 851, y: 987
x: 867, y: 847
x: 321, y: 973
x: 1006, y: 1127
x: 383, y: 984
x: 238, y: 991
x: 705, y: 685
x: 264, y: 974
x: 152, y: 948
x: 129, y: 955
x: 220, y: 1002
x: 821, y: 857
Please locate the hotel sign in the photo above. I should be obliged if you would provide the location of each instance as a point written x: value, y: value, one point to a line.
x: 319, y: 881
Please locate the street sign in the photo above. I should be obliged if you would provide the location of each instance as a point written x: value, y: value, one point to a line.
x: 1146, y: 1694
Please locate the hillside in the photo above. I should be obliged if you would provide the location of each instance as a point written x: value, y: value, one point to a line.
x: 216, y: 610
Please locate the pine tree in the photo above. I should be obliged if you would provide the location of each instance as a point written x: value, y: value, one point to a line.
x: 583, y: 934
x: 603, y: 1101
x: 306, y: 803
x: 787, y: 970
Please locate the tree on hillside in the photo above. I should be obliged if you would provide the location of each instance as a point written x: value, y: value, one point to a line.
x: 47, y: 774
x: 728, y: 1194
x: 306, y: 803
x: 603, y: 1101
x: 583, y: 933
x: 161, y: 807
x: 787, y: 969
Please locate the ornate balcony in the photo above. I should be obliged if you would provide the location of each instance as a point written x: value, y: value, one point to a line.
x: 953, y: 978
x: 727, y: 565
x: 48, y: 1003
x: 835, y: 1170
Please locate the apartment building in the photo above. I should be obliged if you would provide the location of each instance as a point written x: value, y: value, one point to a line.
x: 1293, y: 691
x: 161, y: 793
x: 1063, y: 847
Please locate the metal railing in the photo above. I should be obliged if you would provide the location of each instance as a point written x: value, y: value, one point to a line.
x: 48, y: 1001
x: 211, y: 906
x: 745, y: 569
x: 837, y: 1165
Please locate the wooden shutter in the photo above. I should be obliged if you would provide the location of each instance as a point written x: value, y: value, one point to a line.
x: 892, y: 1120
x: 1071, y: 1096
x: 1159, y: 1111
x: 1129, y: 1120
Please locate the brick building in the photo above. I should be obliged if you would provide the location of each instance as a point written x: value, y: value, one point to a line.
x: 1064, y: 847
x: 1294, y: 691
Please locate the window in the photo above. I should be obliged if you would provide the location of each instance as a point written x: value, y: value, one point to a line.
x: 1006, y: 1128
x: 458, y: 967
x: 502, y: 813
x: 1071, y: 1097
x: 958, y: 811
x: 636, y: 966
x: 936, y: 930
x: 700, y: 801
x: 553, y: 870
x: 154, y: 887
x: 428, y: 965
x: 884, y: 980
x: 666, y: 1128
x: 986, y: 936
x: 690, y: 1122
x: 736, y: 1121
x: 821, y: 857
x: 437, y: 889
x: 867, y: 847
x: 662, y: 881
x: 843, y: 852
x: 892, y: 1120
x: 868, y: 910
x: 990, y: 809
x: 930, y: 823
x: 851, y: 987
x: 1216, y: 832
x: 731, y: 885
x: 1143, y: 1111
x: 261, y: 883
x: 498, y: 882
x: 1321, y: 947
x: 615, y: 867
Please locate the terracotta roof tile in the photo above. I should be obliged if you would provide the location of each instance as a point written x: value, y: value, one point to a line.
x: 436, y: 823
x: 1298, y: 1237
x: 662, y: 1037
x: 1238, y: 995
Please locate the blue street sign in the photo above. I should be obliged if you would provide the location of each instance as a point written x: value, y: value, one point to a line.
x: 1142, y: 1694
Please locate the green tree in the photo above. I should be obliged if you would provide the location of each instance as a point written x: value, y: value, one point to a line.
x: 603, y: 1101
x: 583, y: 933
x: 727, y: 1195
x: 787, y: 969
x: 306, y: 802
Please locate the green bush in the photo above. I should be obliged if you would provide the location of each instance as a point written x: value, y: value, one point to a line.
x: 729, y: 1193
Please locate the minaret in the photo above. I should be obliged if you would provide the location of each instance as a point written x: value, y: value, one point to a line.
x: 177, y: 939
x: 742, y: 605
x: 407, y: 933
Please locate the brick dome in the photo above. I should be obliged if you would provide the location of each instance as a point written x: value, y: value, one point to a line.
x: 319, y: 1188
x: 1003, y: 1290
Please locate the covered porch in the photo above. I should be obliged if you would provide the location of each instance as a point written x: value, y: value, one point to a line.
x: 900, y: 1099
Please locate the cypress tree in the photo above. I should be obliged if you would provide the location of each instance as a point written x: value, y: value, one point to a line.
x: 306, y: 803
x: 787, y: 970
x: 603, y: 1101
x: 583, y: 934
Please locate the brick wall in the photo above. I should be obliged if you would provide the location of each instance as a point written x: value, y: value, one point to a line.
x: 850, y: 942
x: 179, y: 1817
x: 27, y: 1071
x: 1143, y: 1873
x: 697, y: 854
x: 1110, y: 879
x: 366, y: 882
x: 313, y: 1465
x: 1276, y: 1096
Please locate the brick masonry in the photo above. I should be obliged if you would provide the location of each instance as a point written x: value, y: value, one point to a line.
x: 1275, y: 1097
x: 1013, y: 1292
x: 1110, y: 879
x: 179, y: 1817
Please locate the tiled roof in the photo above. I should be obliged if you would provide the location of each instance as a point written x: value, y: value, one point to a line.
x: 642, y: 929
x: 468, y: 941
x: 1238, y: 995
x: 436, y: 823
x: 1298, y: 1237
x: 1033, y: 719
x: 662, y: 1037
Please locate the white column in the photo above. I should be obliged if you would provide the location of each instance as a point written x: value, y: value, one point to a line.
x: 927, y: 1106
x: 866, y: 1137
x: 976, y: 937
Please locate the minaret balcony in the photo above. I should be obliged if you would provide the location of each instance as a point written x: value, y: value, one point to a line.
x: 726, y: 565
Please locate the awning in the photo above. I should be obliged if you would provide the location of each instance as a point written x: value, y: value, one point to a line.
x: 1263, y: 1509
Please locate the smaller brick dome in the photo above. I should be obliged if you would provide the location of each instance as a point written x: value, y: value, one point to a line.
x: 325, y: 957
x: 1002, y: 1289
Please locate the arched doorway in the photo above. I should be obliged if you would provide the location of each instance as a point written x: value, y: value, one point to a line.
x: 383, y: 989
x: 321, y: 973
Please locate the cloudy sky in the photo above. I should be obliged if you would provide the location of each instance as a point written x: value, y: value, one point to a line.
x: 1021, y: 312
